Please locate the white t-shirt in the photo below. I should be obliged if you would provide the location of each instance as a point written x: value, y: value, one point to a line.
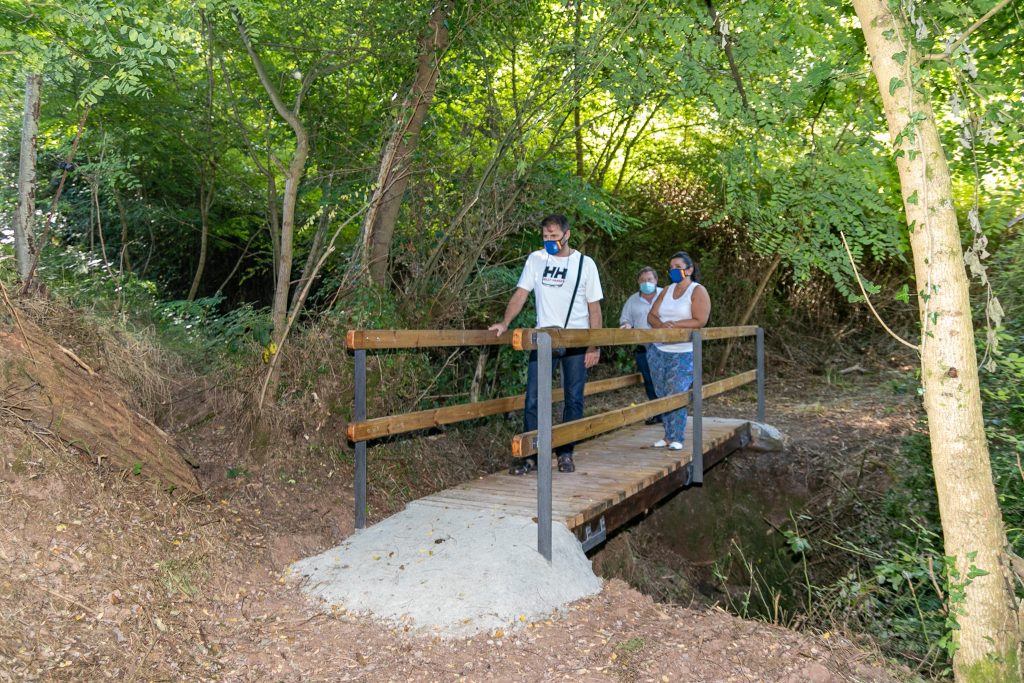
x: 552, y: 280
x: 677, y: 309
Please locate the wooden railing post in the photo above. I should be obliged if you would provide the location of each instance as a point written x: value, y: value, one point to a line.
x: 544, y: 445
x: 697, y: 403
x: 360, y: 415
x: 760, y: 374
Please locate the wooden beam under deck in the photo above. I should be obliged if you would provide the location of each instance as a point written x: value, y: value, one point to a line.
x: 618, y: 477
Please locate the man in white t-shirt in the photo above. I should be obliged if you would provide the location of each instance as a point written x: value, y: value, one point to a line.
x: 567, y: 291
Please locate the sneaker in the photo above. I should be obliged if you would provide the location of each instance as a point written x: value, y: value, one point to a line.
x: 660, y: 443
x: 675, y: 446
x: 523, y: 466
x: 565, y: 463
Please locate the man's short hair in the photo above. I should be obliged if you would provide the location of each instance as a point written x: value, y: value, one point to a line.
x: 555, y: 219
x: 647, y: 269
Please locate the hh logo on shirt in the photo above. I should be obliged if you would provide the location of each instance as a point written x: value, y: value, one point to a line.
x: 554, y: 277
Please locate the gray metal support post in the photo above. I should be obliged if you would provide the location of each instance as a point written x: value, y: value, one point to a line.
x: 697, y: 404
x: 760, y: 374
x: 360, y: 414
x: 544, y: 445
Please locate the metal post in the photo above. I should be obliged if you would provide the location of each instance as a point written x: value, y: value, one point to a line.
x: 760, y: 374
x: 697, y: 403
x: 360, y: 414
x: 544, y: 445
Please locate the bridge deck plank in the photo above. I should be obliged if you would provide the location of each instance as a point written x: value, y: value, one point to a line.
x: 611, y: 470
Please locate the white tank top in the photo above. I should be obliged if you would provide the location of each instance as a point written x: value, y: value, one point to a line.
x: 677, y: 309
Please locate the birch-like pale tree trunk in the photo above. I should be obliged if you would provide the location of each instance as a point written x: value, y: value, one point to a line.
x: 989, y: 635
x: 27, y: 178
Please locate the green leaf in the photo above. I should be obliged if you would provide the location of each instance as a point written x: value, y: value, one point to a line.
x: 890, y: 34
x: 903, y: 295
x: 912, y: 199
x: 900, y: 57
x: 895, y: 84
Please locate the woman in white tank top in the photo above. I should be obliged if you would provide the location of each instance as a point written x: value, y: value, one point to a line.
x: 684, y: 305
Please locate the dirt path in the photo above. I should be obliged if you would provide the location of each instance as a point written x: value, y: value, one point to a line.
x: 104, y: 578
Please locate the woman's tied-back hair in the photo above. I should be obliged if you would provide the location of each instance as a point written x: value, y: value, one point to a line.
x: 690, y: 263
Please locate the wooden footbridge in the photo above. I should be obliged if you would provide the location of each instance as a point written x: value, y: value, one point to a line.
x: 619, y: 474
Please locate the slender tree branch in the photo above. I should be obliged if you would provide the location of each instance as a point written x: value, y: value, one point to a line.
x: 261, y: 71
x: 17, y: 319
x: 945, y: 54
x: 863, y: 291
x: 727, y: 46
x: 297, y: 306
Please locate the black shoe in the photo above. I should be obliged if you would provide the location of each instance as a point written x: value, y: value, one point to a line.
x: 653, y: 420
x: 523, y: 466
x: 565, y: 463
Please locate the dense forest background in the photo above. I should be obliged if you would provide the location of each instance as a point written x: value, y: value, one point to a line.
x: 243, y: 182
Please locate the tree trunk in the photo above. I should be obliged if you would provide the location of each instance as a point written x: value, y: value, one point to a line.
x: 479, y: 374
x: 293, y: 176
x: 296, y: 168
x: 316, y: 250
x: 124, y: 264
x: 27, y: 177
x: 396, y: 161
x: 205, y: 201
x: 988, y: 635
x: 207, y: 165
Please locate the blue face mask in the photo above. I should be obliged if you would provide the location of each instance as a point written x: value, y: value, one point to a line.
x: 552, y: 247
x: 648, y: 287
x: 676, y: 275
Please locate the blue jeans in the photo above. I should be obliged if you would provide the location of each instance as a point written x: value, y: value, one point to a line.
x: 673, y: 374
x: 574, y: 376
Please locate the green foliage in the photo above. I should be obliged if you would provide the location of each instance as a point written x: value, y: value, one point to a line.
x: 86, y: 281
x: 198, y: 322
x: 897, y: 587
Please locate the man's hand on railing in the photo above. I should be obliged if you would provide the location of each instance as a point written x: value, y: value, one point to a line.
x: 498, y: 328
x: 593, y: 355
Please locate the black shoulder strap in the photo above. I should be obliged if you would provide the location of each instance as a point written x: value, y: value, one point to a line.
x: 575, y: 289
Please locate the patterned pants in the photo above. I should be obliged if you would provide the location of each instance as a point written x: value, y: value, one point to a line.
x: 672, y: 374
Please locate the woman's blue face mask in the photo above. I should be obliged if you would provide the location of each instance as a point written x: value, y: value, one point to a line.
x: 552, y: 247
x: 676, y: 275
x: 648, y: 287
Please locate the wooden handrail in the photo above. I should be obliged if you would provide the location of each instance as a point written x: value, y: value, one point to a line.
x: 524, y: 339
x: 728, y: 332
x: 424, y: 419
x: 420, y: 339
x: 577, y: 430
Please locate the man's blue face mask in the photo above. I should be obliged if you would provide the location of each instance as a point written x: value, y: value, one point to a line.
x: 647, y: 287
x: 552, y: 247
x: 676, y: 275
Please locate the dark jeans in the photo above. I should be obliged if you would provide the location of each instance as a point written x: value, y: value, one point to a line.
x: 641, y: 364
x: 574, y: 376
